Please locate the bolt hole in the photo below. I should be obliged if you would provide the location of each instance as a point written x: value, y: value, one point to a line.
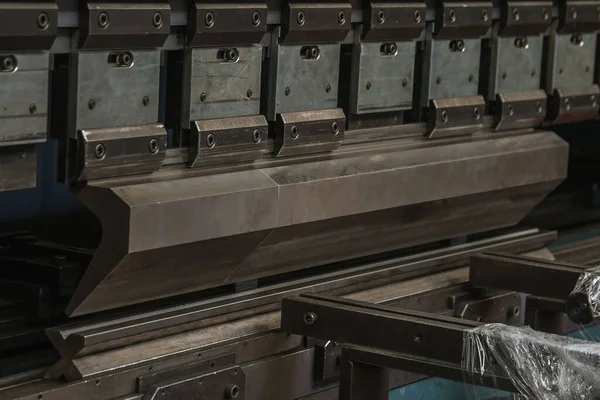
x: 153, y: 146
x: 452, y: 16
x: 335, y: 128
x: 146, y: 100
x: 417, y: 16
x: 100, y: 151
x: 328, y: 88
x: 484, y: 15
x: 444, y: 116
x: 256, y: 136
x: 157, y: 20
x: 203, y: 97
x: 546, y: 14
x: 9, y: 63
x: 301, y: 18
x: 294, y: 132
x: 381, y: 16
x: 97, y: 382
x: 32, y: 108
x: 539, y: 107
x: 476, y: 113
x: 210, y: 140
x: 287, y: 91
x: 209, y: 19
x: 516, y: 311
x: 404, y: 82
x: 516, y: 14
x: 369, y: 85
x: 560, y: 70
x: 418, y: 338
x: 510, y: 110
x: 43, y: 21
x: 103, y: 20
x: 342, y: 17
x: 256, y: 18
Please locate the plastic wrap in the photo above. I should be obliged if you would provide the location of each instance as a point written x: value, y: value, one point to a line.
x: 584, y: 301
x: 540, y: 365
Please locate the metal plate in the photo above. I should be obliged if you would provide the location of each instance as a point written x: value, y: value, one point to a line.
x: 24, y: 99
x: 393, y: 20
x: 525, y: 17
x: 28, y: 25
x: 520, y: 109
x: 315, y: 22
x: 573, y: 64
x: 382, y: 82
x: 216, y: 88
x: 450, y: 73
x: 300, y: 84
x: 455, y: 116
x: 514, y: 68
x: 103, y: 90
x: 459, y: 19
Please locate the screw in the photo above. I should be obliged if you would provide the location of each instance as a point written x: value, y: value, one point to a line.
x: 100, y: 151
x: 103, y: 20
x: 593, y: 100
x: 457, y: 45
x: 210, y: 140
x: 146, y: 100
x: 381, y: 16
x: 32, y: 108
x: 369, y: 85
x: 521, y: 43
x: 301, y: 18
x: 209, y: 19
x: 328, y: 88
x: 43, y: 21
x: 342, y: 17
x: 288, y: 91
x: 256, y: 18
x: 484, y: 15
x: 510, y: 110
x: 294, y: 133
x: 249, y: 93
x: 567, y: 104
x: 256, y: 136
x: 404, y: 82
x: 231, y: 55
x: 574, y: 13
x: 539, y: 107
x: 153, y: 146
x: 516, y: 15
x: 418, y: 338
x: 476, y: 113
x: 125, y: 59
x: 438, y: 80
x: 335, y: 128
x: 157, y: 20
x: 232, y: 391
x: 452, y: 16
x: 9, y: 63
x: 417, y: 16
x: 546, y: 14
x: 310, y: 318
x: 444, y: 116
x: 202, y: 96
x: 92, y: 104
x: 577, y: 40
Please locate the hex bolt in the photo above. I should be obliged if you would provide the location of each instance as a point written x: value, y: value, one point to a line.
x: 232, y: 391
x: 103, y: 20
x: 43, y: 21
x: 9, y: 63
x: 417, y: 16
x: 546, y: 14
x: 157, y: 20
x: 92, y: 104
x: 335, y: 128
x: 249, y: 93
x: 510, y: 110
x: 452, y: 16
x: 294, y: 132
x: 310, y: 318
x: 381, y: 16
x: 256, y: 136
x: 328, y: 88
x: 256, y: 18
x: 32, y: 108
x: 476, y: 113
x: 209, y: 19
x: 342, y: 17
x: 100, y: 151
x: 146, y: 100
x: 288, y: 91
x: 539, y: 107
x: 516, y: 15
x: 444, y: 116
x: 210, y: 140
x: 153, y: 146
x: 484, y: 15
x: 203, y: 97
x: 301, y: 18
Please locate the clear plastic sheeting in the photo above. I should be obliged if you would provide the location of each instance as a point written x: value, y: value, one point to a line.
x: 539, y: 365
x: 588, y: 285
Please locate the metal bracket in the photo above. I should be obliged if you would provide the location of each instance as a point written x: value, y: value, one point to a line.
x: 226, y: 23
x: 141, y: 25
x: 462, y: 19
x: 520, y: 109
x: 525, y: 17
x: 315, y: 22
x: 578, y: 16
x: 111, y: 152
x: 308, y: 132
x: 455, y: 116
x: 227, y: 140
x: 327, y: 360
x: 28, y: 26
x: 393, y: 21
x: 571, y: 104
x: 505, y: 308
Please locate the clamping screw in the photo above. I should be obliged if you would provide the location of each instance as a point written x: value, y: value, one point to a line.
x: 125, y: 59
x: 232, y: 391
x: 43, y: 21
x: 232, y: 55
x: 452, y: 16
x: 457, y: 45
x: 521, y: 43
x: 103, y: 20
x: 516, y: 14
x: 209, y: 19
x: 8, y: 63
x: 335, y: 128
x: 157, y: 20
x: 484, y: 15
x: 342, y: 17
x: 417, y: 16
x: 256, y: 18
x: 310, y: 318
x: 381, y: 16
x: 210, y: 140
x: 311, y: 52
x: 546, y: 14
x: 294, y: 132
x: 301, y: 18
x: 256, y: 136
x: 153, y: 146
x: 100, y: 151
